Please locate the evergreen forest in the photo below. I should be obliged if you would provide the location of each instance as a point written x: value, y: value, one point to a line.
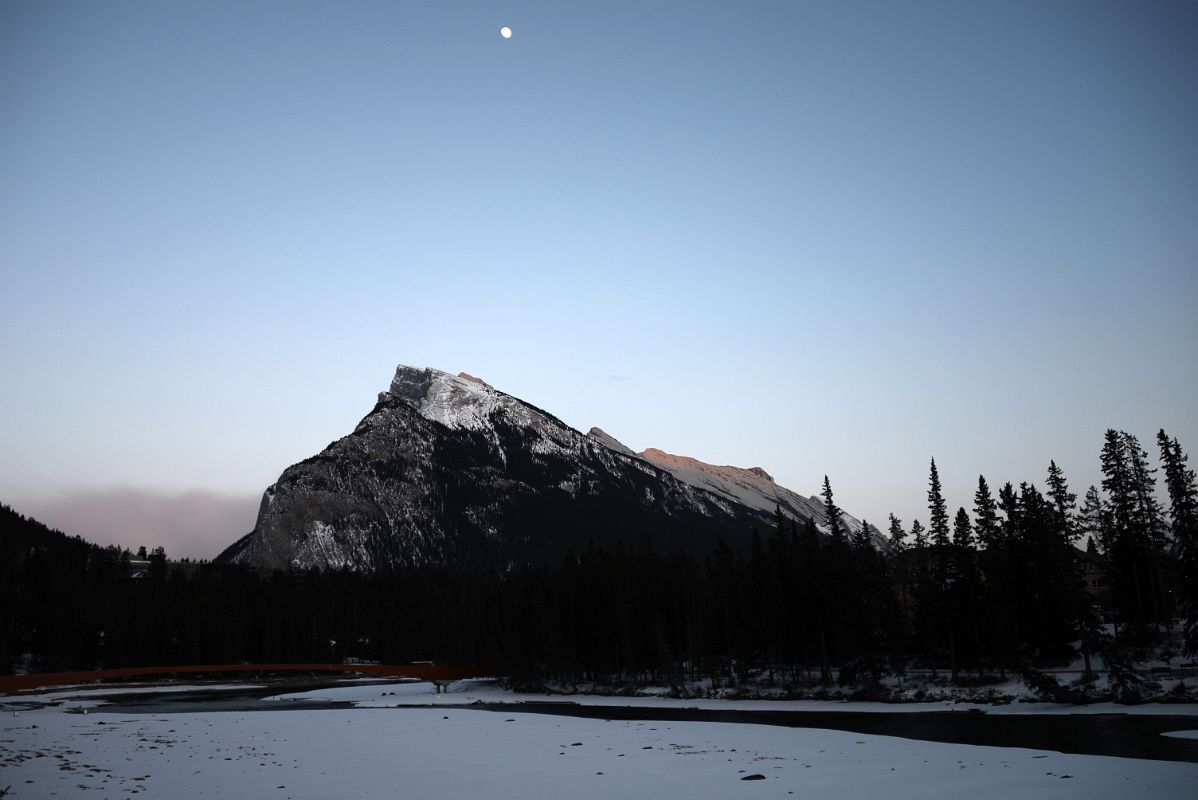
x: 1025, y: 579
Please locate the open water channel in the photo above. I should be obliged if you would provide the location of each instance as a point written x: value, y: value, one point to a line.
x: 1125, y: 735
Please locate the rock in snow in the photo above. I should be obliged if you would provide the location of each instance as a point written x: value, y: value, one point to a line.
x: 447, y: 470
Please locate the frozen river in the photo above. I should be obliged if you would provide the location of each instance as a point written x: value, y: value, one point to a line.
x: 1108, y: 734
x: 367, y: 740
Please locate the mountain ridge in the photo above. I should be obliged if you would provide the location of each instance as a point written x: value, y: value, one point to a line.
x: 447, y: 469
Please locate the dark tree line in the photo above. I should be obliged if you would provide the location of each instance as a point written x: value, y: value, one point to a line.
x: 991, y: 589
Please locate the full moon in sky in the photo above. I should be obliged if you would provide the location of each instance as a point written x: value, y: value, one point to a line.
x: 505, y: 32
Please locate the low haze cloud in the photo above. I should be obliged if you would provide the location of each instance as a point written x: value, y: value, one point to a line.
x: 191, y: 524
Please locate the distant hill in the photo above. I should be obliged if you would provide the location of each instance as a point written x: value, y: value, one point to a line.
x: 21, y: 535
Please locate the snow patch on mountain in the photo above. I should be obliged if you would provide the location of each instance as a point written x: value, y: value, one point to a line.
x: 324, y: 544
x: 454, y: 401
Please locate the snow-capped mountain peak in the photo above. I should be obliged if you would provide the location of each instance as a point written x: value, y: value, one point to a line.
x: 456, y: 401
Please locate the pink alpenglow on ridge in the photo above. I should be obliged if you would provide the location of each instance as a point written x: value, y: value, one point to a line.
x: 466, y: 376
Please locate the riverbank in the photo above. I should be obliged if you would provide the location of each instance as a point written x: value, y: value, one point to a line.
x: 1091, y: 730
x: 442, y: 750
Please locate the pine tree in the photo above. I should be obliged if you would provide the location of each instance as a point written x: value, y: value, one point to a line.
x: 1004, y: 574
x: 921, y: 592
x: 1147, y: 514
x: 1045, y: 575
x: 1075, y: 603
x: 937, y: 595
x: 962, y: 532
x: 842, y: 597
x: 1090, y: 519
x: 901, y: 595
x: 1116, y: 482
x: 1132, y: 515
x: 985, y: 514
x: 1149, y: 527
x: 918, y: 535
x: 862, y: 542
x: 897, y: 534
x: 938, y: 521
x: 1183, y: 511
x: 832, y: 513
x: 873, y: 603
x: 1010, y: 527
x: 812, y: 563
x: 1063, y: 501
x: 963, y: 600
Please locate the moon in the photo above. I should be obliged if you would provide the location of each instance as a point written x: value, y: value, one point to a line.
x: 505, y: 32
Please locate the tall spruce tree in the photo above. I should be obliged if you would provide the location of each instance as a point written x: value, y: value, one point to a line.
x: 1090, y: 520
x: 937, y: 510
x: 963, y: 596
x: 1116, y: 482
x: 940, y: 620
x: 841, y: 598
x: 862, y: 542
x: 901, y: 595
x: 866, y: 624
x: 1150, y: 528
x: 1130, y: 546
x: 897, y: 535
x: 1147, y: 509
x: 1064, y: 502
x: 918, y: 536
x: 985, y: 514
x: 1183, y: 512
x: 832, y: 513
x: 1011, y: 525
x: 814, y: 582
x: 1004, y: 579
x: 1065, y: 530
x: 962, y: 530
x: 1127, y: 594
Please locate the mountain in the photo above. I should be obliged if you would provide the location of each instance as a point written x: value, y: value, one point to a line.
x: 448, y: 470
x: 752, y: 488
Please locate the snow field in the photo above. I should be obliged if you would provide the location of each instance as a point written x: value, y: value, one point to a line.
x: 457, y: 753
x: 389, y: 695
x: 99, y: 693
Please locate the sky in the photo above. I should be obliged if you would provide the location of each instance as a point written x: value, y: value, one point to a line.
x: 831, y: 238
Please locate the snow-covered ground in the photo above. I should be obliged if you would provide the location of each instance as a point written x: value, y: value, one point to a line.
x: 456, y: 753
x: 98, y: 692
x: 390, y: 695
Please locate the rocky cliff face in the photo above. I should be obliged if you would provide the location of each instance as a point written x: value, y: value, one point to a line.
x: 446, y: 469
x: 752, y: 488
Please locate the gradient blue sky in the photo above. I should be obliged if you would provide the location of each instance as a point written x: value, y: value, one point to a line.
x: 820, y: 238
